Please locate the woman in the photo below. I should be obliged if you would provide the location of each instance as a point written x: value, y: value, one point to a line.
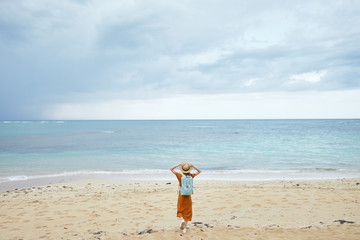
x: 184, y: 204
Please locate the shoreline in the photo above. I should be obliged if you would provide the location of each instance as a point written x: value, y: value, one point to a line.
x: 133, y: 209
x: 23, y: 181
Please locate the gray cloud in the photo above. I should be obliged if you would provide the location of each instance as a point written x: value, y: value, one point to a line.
x: 82, y: 51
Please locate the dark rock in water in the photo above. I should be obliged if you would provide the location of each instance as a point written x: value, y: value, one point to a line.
x: 344, y: 221
x: 168, y: 183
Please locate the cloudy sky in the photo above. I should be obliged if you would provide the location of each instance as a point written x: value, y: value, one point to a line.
x: 144, y: 59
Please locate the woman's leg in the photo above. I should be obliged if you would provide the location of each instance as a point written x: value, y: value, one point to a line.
x: 183, y: 224
x: 186, y: 222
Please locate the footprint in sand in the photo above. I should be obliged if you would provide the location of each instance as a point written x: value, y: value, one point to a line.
x: 256, y: 205
x: 271, y: 202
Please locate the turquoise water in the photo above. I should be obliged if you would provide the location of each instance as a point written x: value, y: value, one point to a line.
x: 36, y: 148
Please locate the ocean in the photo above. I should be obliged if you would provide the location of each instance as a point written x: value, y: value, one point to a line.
x: 226, y: 149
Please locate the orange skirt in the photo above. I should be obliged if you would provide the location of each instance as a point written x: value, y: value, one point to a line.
x: 184, y: 207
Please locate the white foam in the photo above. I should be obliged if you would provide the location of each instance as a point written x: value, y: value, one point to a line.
x: 18, y: 178
x: 162, y: 174
x: 83, y: 173
x: 29, y: 177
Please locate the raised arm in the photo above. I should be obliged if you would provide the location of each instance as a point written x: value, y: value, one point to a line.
x: 198, y: 170
x: 178, y: 165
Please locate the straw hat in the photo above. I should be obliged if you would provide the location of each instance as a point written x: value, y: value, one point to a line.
x: 185, y: 168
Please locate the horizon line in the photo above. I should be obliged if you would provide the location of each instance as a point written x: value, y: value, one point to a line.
x: 174, y: 119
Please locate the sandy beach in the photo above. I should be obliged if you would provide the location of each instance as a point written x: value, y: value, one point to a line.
x: 100, y: 209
